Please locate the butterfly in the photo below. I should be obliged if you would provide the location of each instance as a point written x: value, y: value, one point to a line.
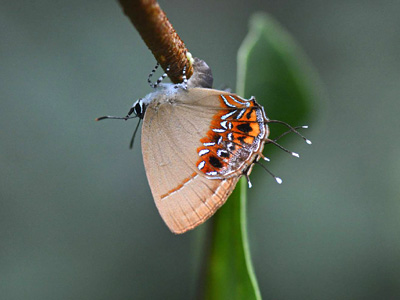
x: 196, y: 143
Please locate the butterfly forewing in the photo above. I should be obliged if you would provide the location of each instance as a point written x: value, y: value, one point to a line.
x: 171, y: 135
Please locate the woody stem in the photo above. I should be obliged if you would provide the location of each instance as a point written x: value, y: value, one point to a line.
x: 159, y: 35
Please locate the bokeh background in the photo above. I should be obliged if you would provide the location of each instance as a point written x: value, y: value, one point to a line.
x: 77, y: 220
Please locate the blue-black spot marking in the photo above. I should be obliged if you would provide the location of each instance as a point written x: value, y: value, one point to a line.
x: 215, y: 162
x: 245, y: 127
x: 248, y: 115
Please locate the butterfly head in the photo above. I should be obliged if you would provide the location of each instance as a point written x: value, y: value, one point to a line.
x: 139, y: 108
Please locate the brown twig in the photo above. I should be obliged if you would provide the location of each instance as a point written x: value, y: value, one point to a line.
x: 159, y: 35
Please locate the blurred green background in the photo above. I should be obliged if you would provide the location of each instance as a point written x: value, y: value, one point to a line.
x: 77, y: 220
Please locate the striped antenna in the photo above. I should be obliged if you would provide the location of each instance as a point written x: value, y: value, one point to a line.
x: 115, y: 118
x: 134, y: 134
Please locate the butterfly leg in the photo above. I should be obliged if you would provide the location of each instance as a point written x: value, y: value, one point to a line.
x: 184, y: 83
x: 160, y: 79
x: 151, y: 74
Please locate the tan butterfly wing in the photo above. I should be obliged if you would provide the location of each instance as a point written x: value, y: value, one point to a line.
x: 171, y: 133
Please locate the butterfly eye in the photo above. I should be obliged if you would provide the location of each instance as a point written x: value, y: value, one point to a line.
x: 139, y: 109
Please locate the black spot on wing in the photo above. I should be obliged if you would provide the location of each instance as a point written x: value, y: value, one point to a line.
x: 231, y: 146
x: 241, y: 139
x: 215, y: 162
x: 223, y: 153
x: 245, y: 127
x: 248, y: 115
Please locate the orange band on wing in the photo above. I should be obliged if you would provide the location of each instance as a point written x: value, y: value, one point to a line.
x: 186, y: 180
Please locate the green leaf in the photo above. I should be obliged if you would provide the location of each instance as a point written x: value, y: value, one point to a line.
x: 230, y: 274
x: 272, y: 68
